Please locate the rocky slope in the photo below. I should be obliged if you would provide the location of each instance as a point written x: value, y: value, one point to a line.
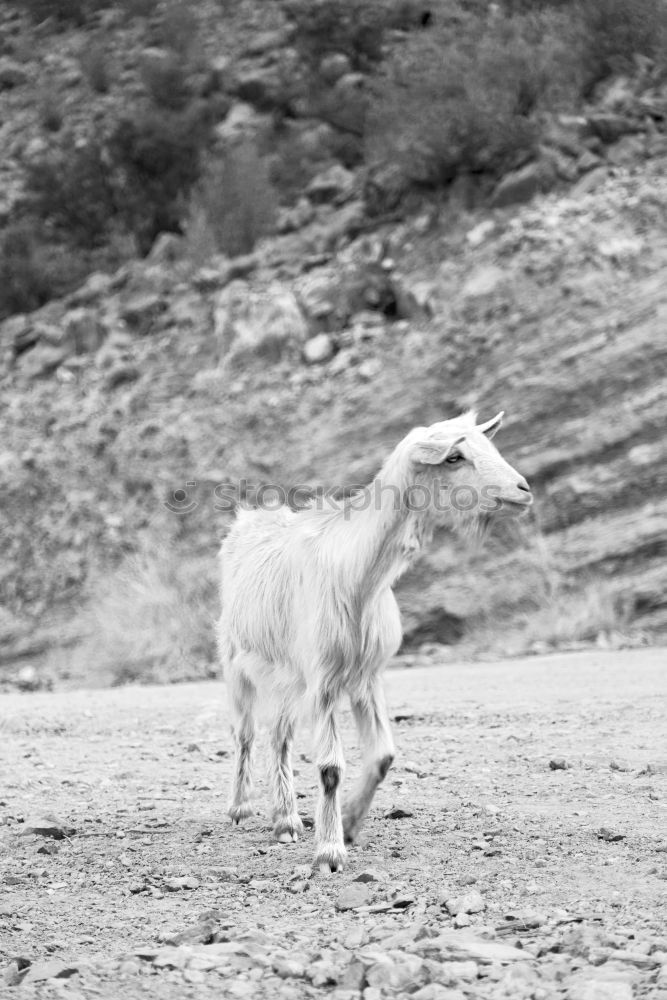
x: 160, y: 376
x: 131, y: 408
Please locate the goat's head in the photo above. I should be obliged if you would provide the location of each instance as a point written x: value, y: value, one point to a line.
x: 459, y: 468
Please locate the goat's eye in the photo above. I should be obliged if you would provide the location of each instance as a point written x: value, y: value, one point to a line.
x: 453, y: 459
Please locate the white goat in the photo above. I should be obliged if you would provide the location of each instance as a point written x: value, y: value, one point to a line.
x: 308, y: 613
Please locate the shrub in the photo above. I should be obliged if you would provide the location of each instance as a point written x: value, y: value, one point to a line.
x: 23, y: 284
x: 32, y: 271
x: 468, y: 102
x: 178, y: 28
x: 138, y: 180
x: 166, y: 81
x: 72, y: 190
x: 155, y: 156
x: 354, y: 27
x: 235, y: 201
x: 613, y: 31
x: 151, y: 620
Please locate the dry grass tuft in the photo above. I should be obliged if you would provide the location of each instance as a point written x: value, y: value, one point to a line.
x: 151, y: 621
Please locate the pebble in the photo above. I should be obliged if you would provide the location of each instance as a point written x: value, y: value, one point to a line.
x: 318, y: 349
x: 353, y: 896
x: 372, y: 875
x: 288, y: 968
x: 471, y: 902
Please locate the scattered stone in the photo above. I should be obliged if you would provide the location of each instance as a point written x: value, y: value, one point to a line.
x: 12, y: 74
x: 483, y: 282
x: 621, y: 249
x: 318, y: 349
x: 353, y: 896
x: 27, y: 678
x: 372, y: 875
x: 141, y: 311
x: 54, y: 969
x: 257, y: 321
x: 396, y: 973
x: 397, y: 812
x: 479, y: 233
x: 203, y: 932
x: 288, y: 968
x: 609, y: 836
x: 558, y: 764
x: 436, y: 991
x: 176, y: 884
x: 333, y: 66
x: 263, y: 87
x: 49, y: 849
x: 369, y: 369
x: 522, y: 185
x: 84, y: 330
x: 42, y: 360
x: 470, y: 902
x: 601, y: 989
x: 587, y: 161
x: 264, y: 42
x: 48, y: 826
x: 333, y: 185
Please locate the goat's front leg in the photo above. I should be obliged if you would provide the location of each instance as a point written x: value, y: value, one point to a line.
x: 330, y: 851
x: 287, y: 825
x: 370, y: 714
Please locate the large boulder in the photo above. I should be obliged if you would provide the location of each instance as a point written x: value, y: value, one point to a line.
x: 257, y: 321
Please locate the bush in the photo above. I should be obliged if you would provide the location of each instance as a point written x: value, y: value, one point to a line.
x: 152, y: 620
x: 137, y: 181
x: 354, y: 27
x: 470, y: 102
x: 32, y: 272
x: 613, y: 31
x: 178, y: 28
x: 156, y: 158
x: 166, y: 81
x: 233, y: 205
x: 71, y: 189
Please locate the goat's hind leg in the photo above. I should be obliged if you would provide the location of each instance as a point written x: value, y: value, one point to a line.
x: 242, y: 697
x: 287, y: 825
x: 372, y: 720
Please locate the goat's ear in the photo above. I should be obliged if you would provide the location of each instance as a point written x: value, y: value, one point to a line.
x: 491, y: 426
x: 433, y: 452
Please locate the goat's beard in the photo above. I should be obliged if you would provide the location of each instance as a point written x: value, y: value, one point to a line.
x: 475, y: 529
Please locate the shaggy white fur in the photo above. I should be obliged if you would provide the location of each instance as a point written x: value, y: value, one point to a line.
x: 308, y: 612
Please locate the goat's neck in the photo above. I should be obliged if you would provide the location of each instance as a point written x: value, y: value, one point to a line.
x: 388, y: 533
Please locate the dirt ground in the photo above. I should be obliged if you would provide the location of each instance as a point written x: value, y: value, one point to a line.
x: 537, y: 798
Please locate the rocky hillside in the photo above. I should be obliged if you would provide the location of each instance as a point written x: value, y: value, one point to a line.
x: 131, y: 406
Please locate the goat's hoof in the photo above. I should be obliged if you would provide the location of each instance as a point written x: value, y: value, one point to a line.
x: 288, y: 829
x: 239, y: 812
x: 330, y: 858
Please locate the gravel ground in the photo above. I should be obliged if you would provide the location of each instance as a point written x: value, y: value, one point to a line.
x: 518, y: 848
